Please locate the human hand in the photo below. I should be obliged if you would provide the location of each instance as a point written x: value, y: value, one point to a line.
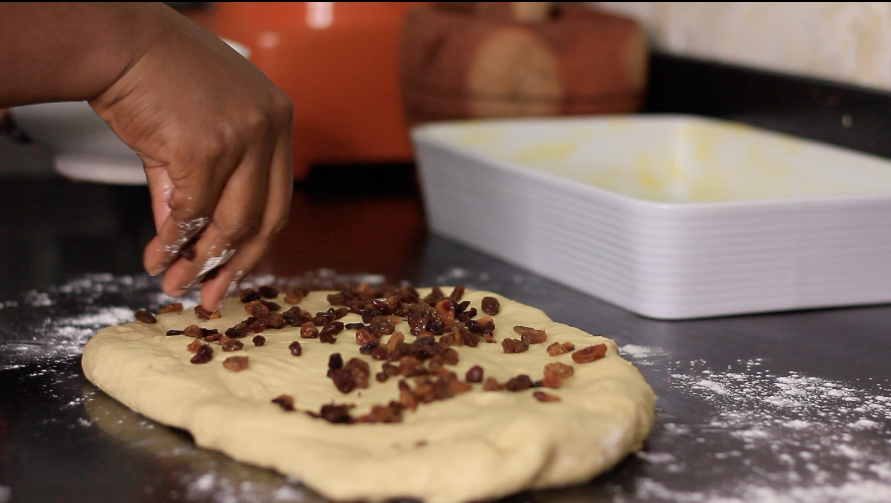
x: 214, y: 135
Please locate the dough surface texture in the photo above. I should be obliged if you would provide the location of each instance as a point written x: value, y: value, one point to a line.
x: 478, y: 445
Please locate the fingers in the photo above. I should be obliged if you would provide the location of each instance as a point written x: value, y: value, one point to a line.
x: 237, y: 217
x: 190, y: 188
x: 160, y: 188
x: 274, y: 219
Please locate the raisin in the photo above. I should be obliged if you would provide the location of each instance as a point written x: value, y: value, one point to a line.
x: 364, y: 337
x: 360, y: 370
x: 436, y: 327
x: 256, y: 308
x: 435, y: 296
x: 294, y: 297
x: 541, y: 396
x: 145, y: 316
x: 556, y: 348
x: 450, y: 357
x: 379, y: 353
x: 457, y: 293
x: 233, y: 345
x: 336, y: 414
x: 337, y: 299
x: 249, y: 295
x: 416, y: 322
x: 309, y: 331
x: 519, y: 383
x: 381, y: 325
x: 272, y: 306
x: 236, y: 332
x: 193, y: 331
x: 236, y: 363
x: 174, y: 332
x: 268, y: 291
x: 295, y: 348
x: 335, y: 361
x: 469, y: 338
x: 467, y: 315
x: 381, y: 376
x: 285, y: 402
x: 514, y: 345
x: 275, y: 320
x: 203, y: 355
x: 174, y: 307
x: 555, y: 374
x: 531, y: 335
x: 193, y: 346
x: 354, y: 326
x: 589, y: 354
x: 294, y: 316
x: 492, y: 385
x: 410, y: 366
x: 202, y: 313
x: 475, y: 374
x: 491, y: 306
x: 460, y: 307
x: 258, y: 340
x: 331, y: 328
x: 320, y: 319
x: 368, y: 348
x: 394, y: 341
x: 257, y: 325
x: 406, y: 397
x: 383, y: 414
x: 446, y: 311
x: 343, y: 380
x: 327, y: 338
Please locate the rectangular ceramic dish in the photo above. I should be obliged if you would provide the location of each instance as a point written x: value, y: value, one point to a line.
x: 667, y: 216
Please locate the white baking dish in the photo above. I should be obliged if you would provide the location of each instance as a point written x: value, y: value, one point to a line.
x: 666, y: 216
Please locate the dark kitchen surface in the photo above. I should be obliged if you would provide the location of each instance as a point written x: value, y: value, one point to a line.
x: 775, y: 407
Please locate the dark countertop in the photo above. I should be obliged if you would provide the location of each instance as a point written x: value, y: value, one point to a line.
x: 778, y: 407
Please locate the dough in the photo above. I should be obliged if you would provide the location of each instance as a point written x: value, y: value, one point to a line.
x: 478, y: 445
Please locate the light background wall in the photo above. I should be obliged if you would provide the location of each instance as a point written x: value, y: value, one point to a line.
x: 842, y: 41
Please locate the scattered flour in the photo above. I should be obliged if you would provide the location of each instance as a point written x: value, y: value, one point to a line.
x: 778, y: 437
x: 211, y: 486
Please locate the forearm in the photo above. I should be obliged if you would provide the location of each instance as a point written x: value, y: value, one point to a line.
x: 69, y: 51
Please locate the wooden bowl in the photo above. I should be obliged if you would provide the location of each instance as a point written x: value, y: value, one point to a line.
x: 481, y: 62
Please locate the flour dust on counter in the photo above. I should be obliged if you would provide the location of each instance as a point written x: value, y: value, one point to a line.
x: 47, y: 325
x: 778, y: 437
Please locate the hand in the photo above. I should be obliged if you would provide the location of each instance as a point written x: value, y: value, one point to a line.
x: 214, y: 135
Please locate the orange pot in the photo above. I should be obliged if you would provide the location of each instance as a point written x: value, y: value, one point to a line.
x: 339, y: 62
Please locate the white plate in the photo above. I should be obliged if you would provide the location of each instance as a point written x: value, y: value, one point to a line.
x: 667, y: 216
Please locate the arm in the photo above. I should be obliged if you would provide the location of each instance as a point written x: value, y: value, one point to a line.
x: 213, y: 132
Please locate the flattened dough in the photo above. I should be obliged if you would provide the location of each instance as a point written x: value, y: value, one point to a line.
x: 478, y: 445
